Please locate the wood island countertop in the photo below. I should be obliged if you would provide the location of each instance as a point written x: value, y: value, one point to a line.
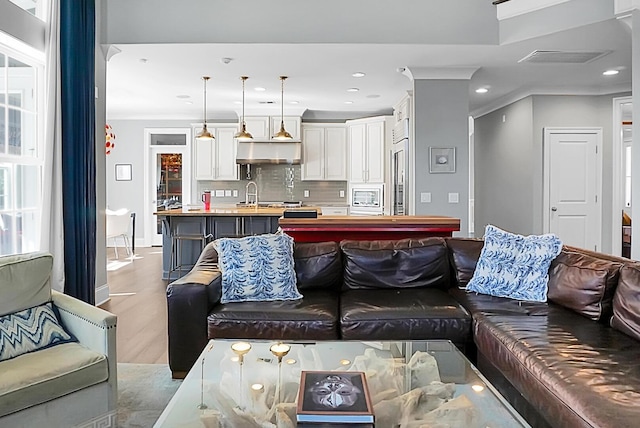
x: 336, y: 228
x: 233, y: 211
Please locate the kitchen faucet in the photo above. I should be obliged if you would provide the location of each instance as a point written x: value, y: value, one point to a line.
x: 247, y: 194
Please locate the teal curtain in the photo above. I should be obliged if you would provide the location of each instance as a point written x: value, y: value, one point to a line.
x: 77, y: 70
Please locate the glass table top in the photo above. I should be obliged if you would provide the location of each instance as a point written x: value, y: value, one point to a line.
x: 244, y: 384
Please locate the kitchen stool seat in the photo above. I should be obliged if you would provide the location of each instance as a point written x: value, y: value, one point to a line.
x: 183, y: 232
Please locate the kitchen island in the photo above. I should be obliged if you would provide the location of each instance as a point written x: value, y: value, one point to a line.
x: 337, y: 228
x: 217, y: 222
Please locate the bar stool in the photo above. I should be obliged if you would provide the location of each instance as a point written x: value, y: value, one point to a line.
x: 182, y: 232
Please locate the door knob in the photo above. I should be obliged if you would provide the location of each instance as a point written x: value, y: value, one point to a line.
x: 554, y: 209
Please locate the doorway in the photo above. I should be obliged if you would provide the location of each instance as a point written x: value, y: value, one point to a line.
x: 167, y: 176
x: 621, y: 170
x: 573, y: 185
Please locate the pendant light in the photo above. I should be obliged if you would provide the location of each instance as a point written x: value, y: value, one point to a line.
x: 282, y: 134
x: 205, y: 134
x: 243, y: 135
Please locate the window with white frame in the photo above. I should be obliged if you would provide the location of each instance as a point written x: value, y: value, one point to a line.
x: 21, y: 159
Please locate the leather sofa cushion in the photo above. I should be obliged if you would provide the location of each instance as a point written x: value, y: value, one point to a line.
x: 626, y: 302
x: 314, y: 317
x: 484, y: 304
x: 464, y: 254
x: 416, y: 314
x: 318, y: 265
x: 44, y: 375
x: 403, y: 263
x: 574, y: 371
x: 584, y: 284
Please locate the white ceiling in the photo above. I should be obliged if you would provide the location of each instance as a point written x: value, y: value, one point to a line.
x: 147, y: 80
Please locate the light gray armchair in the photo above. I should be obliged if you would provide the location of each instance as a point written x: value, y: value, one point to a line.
x: 66, y: 385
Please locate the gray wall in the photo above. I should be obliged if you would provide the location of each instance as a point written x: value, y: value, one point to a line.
x: 504, y: 168
x: 509, y: 159
x: 442, y: 120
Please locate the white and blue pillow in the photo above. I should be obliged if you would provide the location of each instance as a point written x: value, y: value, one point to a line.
x: 515, y: 266
x: 257, y: 268
x: 30, y: 330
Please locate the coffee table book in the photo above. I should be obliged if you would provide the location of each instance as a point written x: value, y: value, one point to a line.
x: 332, y: 397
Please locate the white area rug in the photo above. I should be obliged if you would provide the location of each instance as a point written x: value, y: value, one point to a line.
x: 144, y: 390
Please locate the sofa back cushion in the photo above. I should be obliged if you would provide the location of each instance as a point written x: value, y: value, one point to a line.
x: 24, y: 281
x: 584, y: 284
x: 404, y: 263
x: 626, y: 302
x: 318, y: 265
x: 463, y: 255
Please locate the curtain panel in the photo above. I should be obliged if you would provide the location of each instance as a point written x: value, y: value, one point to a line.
x: 77, y: 70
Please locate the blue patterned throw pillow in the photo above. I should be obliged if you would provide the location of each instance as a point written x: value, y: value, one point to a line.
x: 30, y: 330
x: 514, y: 266
x: 257, y: 268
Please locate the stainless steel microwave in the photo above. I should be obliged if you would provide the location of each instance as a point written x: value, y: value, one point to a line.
x: 367, y: 196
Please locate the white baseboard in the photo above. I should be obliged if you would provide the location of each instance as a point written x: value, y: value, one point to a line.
x: 102, y: 294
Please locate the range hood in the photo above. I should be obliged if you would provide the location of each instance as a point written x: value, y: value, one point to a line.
x: 272, y: 152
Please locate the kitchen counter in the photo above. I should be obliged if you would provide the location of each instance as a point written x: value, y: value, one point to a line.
x: 231, y: 210
x: 337, y: 228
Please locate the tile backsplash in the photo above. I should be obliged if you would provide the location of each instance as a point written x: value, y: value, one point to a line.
x: 276, y: 183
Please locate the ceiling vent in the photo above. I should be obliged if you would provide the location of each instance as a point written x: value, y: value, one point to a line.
x: 562, y: 57
x: 266, y: 102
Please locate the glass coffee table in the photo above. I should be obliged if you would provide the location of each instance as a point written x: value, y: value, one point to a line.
x: 255, y: 384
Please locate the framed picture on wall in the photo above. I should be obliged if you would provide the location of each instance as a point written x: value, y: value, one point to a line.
x: 442, y: 160
x: 123, y: 172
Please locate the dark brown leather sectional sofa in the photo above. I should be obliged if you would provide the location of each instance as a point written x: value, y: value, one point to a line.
x: 571, y: 362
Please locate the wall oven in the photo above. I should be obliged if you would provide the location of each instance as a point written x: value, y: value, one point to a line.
x: 366, y: 199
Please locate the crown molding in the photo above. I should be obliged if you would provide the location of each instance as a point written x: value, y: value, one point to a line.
x: 527, y: 92
x: 439, y: 73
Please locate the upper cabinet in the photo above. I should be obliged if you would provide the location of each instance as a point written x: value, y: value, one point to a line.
x: 367, y: 148
x: 291, y: 124
x: 216, y: 160
x: 263, y: 127
x: 324, y: 149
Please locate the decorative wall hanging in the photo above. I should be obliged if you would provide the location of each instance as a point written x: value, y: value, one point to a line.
x: 110, y: 139
x: 442, y: 160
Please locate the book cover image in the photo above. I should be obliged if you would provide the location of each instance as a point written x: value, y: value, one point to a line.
x: 334, y: 397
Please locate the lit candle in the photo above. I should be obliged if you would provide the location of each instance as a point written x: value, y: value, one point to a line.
x: 280, y: 350
x: 241, y: 348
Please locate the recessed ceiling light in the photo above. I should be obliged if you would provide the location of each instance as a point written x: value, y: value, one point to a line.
x: 294, y: 102
x: 373, y: 96
x: 348, y: 102
x: 260, y: 89
x: 610, y: 72
x: 188, y: 102
x: 237, y: 102
x: 482, y: 90
x: 183, y: 96
x: 358, y: 74
x: 143, y: 60
x: 353, y: 90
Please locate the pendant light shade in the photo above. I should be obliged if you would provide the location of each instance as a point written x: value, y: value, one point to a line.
x: 205, y: 134
x: 243, y: 135
x: 282, y: 134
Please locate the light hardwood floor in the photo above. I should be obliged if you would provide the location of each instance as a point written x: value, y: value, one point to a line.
x: 138, y: 299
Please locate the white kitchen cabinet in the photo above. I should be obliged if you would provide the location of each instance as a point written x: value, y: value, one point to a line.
x: 367, y: 142
x: 334, y: 210
x: 324, y: 152
x: 216, y: 160
x: 264, y: 127
x: 291, y: 124
x: 258, y: 126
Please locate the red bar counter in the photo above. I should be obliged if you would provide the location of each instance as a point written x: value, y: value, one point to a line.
x: 337, y: 228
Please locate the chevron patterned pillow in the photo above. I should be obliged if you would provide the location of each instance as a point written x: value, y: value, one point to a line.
x: 30, y: 330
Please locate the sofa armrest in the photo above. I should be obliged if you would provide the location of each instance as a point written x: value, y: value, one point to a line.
x: 189, y: 301
x: 94, y: 328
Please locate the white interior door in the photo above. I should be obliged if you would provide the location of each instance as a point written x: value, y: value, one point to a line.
x: 573, y: 186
